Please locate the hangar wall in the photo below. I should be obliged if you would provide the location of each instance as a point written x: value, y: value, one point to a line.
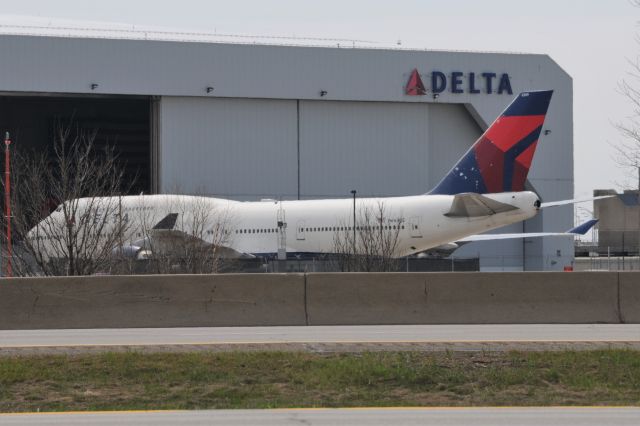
x: 249, y: 149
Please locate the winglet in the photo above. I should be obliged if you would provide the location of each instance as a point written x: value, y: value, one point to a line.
x: 584, y: 228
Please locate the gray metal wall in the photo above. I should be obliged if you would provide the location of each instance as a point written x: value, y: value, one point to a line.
x: 237, y: 148
x: 249, y: 148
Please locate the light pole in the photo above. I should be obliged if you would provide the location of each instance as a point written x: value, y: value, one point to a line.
x: 353, y: 192
x: 7, y: 203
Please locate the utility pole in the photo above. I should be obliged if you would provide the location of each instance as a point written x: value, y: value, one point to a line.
x: 353, y: 191
x: 7, y: 203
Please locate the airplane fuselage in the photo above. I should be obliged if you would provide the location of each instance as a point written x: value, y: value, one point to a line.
x: 310, y: 226
x: 472, y: 198
x: 420, y: 221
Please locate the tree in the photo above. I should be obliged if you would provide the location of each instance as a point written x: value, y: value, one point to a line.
x: 86, y: 184
x: 627, y: 153
x: 373, y: 247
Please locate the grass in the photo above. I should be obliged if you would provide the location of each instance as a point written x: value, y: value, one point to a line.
x: 118, y: 381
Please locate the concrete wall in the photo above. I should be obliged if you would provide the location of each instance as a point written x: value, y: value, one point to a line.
x: 319, y: 299
x: 463, y: 298
x: 152, y: 301
x: 629, y: 284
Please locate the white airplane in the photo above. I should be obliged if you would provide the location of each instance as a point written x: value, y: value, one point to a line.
x: 485, y: 190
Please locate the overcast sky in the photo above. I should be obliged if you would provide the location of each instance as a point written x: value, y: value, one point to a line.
x: 591, y: 39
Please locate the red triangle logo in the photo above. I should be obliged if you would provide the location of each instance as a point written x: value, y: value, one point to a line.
x: 414, y: 85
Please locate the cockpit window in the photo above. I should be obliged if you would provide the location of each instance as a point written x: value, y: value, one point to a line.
x: 59, y: 208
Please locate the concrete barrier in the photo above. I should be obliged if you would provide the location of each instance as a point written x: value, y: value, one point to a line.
x: 319, y: 299
x: 462, y: 298
x: 152, y: 301
x: 630, y: 297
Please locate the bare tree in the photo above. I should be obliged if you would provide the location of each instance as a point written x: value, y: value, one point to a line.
x: 373, y: 245
x: 627, y: 152
x: 86, y: 184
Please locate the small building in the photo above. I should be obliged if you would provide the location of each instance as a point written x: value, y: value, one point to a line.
x: 618, y: 230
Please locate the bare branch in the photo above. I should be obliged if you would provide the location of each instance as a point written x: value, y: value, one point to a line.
x: 373, y: 247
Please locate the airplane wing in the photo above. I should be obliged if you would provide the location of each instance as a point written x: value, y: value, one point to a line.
x: 475, y: 205
x: 578, y: 230
x: 164, y: 238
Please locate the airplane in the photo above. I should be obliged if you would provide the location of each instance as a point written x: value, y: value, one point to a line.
x: 484, y: 190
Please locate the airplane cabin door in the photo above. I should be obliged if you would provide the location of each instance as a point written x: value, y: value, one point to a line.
x: 414, y: 227
x: 300, y: 230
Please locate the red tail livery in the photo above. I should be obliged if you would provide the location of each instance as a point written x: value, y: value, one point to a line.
x: 500, y: 160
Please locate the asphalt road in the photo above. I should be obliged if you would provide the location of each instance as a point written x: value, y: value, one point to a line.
x: 455, y: 337
x: 359, y: 416
x: 325, y: 334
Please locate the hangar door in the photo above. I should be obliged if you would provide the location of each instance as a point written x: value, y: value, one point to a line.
x: 243, y: 149
x: 121, y: 122
x: 379, y: 148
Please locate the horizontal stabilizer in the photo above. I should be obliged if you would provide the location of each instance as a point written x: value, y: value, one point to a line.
x: 578, y: 230
x: 574, y: 201
x: 584, y: 228
x: 476, y: 205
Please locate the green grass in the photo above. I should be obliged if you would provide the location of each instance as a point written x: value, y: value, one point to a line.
x: 116, y: 381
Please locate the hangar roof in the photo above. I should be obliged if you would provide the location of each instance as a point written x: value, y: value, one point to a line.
x: 56, y: 27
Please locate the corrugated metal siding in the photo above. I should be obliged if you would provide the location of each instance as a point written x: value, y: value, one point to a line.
x: 452, y: 132
x: 378, y: 149
x: 163, y: 68
x: 237, y: 148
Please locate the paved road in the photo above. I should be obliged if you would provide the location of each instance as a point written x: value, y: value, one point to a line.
x: 327, y: 334
x: 372, y: 417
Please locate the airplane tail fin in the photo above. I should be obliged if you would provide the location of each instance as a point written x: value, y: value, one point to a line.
x: 499, y: 161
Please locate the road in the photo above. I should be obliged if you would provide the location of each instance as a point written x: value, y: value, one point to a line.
x: 358, y: 416
x: 456, y: 337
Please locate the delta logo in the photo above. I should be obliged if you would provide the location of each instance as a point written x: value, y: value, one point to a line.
x: 459, y: 82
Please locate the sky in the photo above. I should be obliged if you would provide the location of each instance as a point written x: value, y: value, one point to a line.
x: 593, y: 40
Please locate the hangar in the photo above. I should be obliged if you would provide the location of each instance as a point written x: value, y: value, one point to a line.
x: 247, y: 120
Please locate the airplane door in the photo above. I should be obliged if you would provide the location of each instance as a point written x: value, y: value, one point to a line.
x: 300, y: 230
x: 414, y: 227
